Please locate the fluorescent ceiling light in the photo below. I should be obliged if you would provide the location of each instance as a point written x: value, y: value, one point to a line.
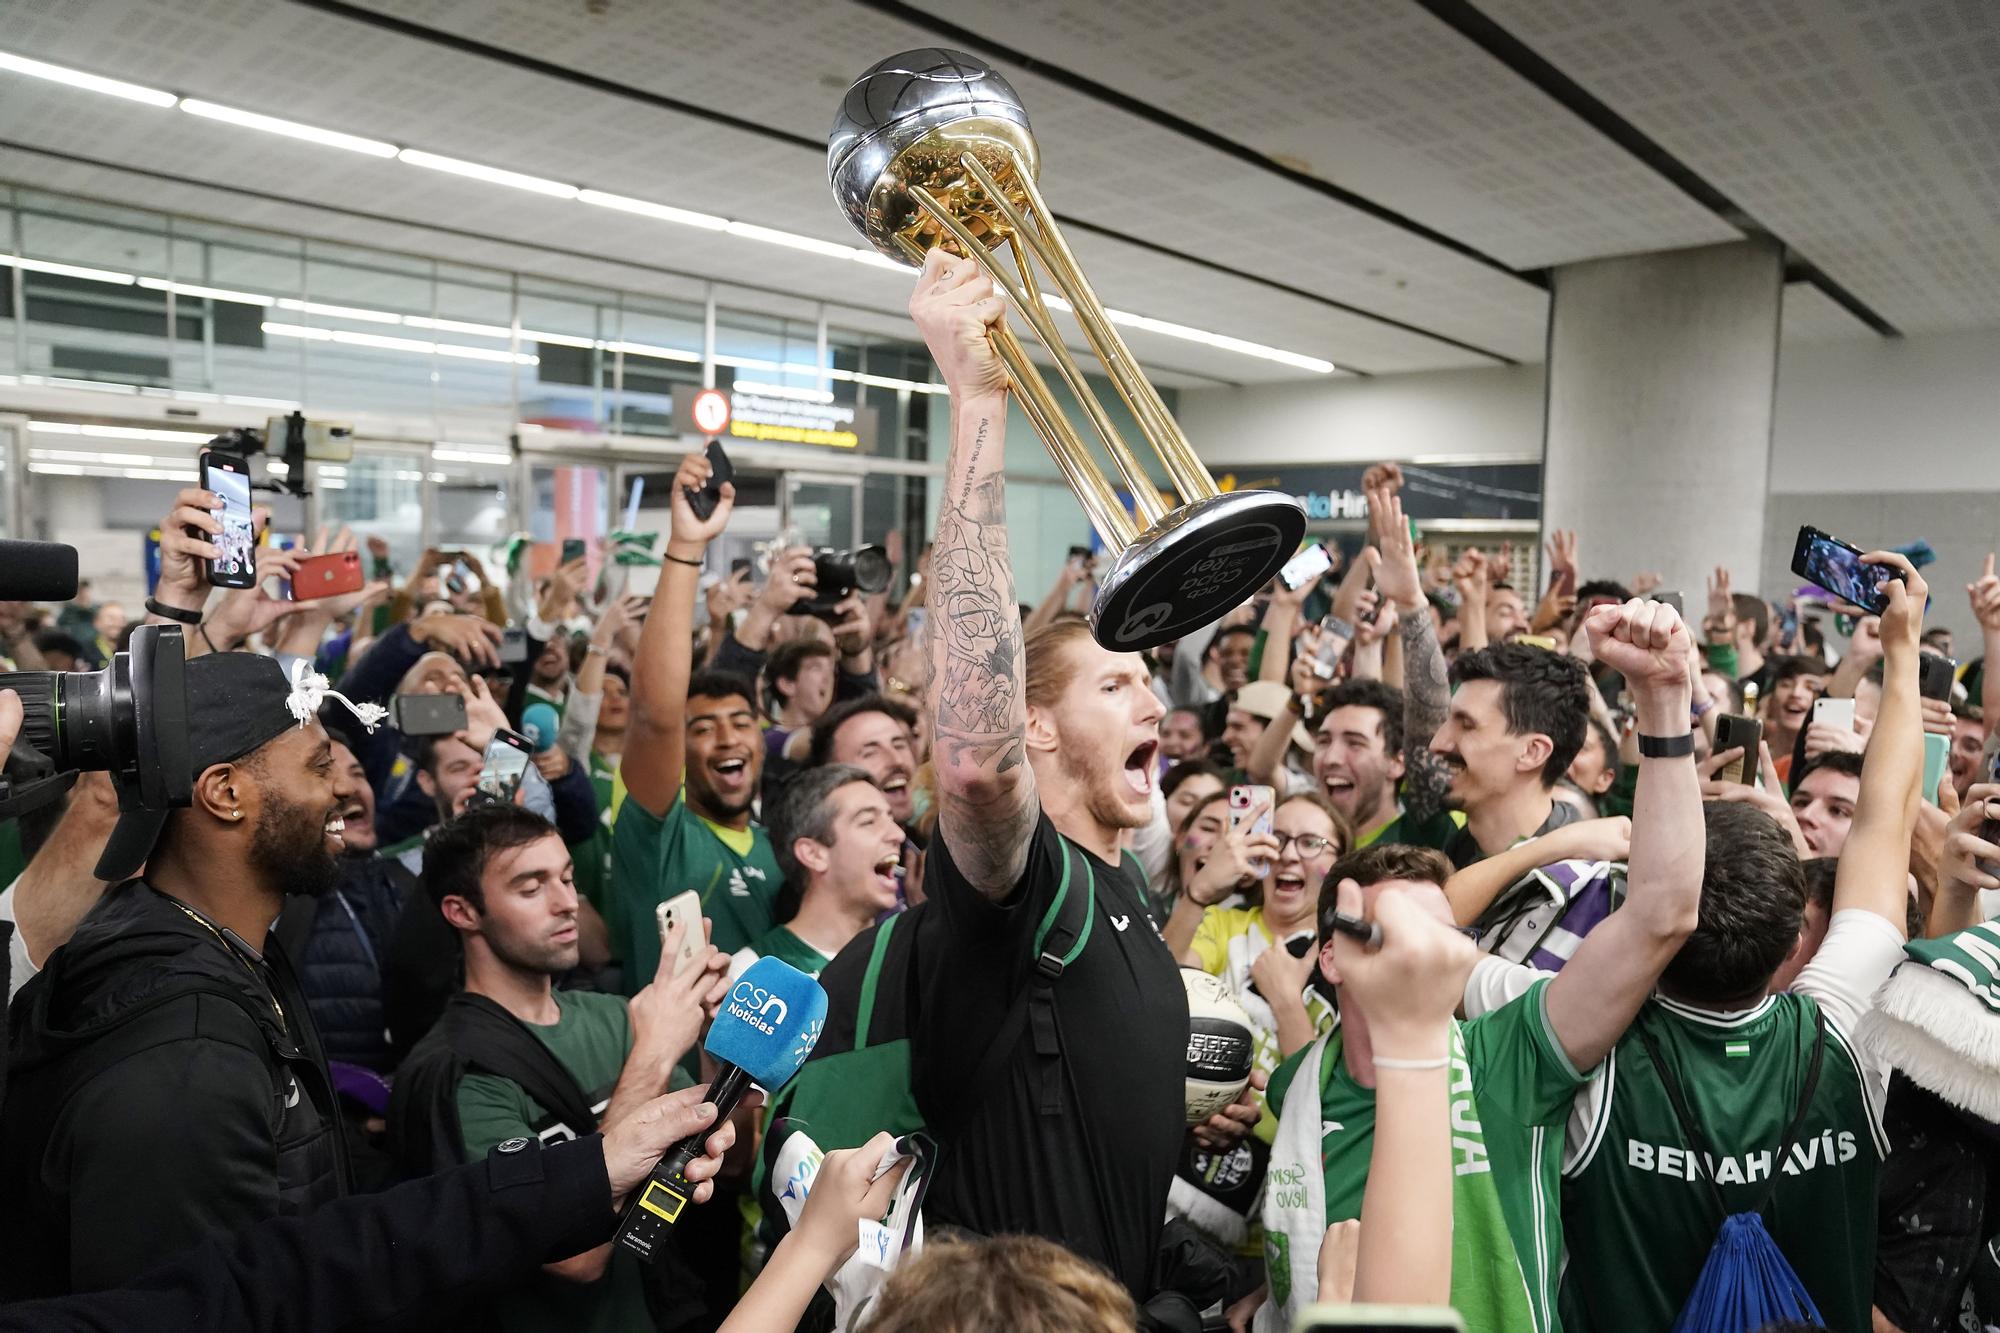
x: 1223, y: 341
x: 458, y: 454
x: 752, y: 232
x: 658, y: 353
x: 289, y: 128
x: 96, y: 431
x: 56, y: 469
x: 76, y: 78
x: 559, y: 339
x: 647, y: 208
x: 459, y: 326
x: 69, y: 270
x: 92, y: 456
x: 333, y: 483
x: 339, y: 311
x: 207, y: 293
x: 493, y: 175
x: 781, y: 391
x: 561, y: 190
x: 346, y: 338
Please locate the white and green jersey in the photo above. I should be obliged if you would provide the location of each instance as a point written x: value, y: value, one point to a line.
x: 1511, y: 1090
x: 1638, y: 1215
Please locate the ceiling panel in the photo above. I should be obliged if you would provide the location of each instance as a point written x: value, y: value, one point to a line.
x: 1864, y: 133
x: 1376, y: 96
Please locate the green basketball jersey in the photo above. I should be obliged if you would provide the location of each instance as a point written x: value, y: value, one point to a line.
x: 1637, y: 1215
x: 1511, y: 1090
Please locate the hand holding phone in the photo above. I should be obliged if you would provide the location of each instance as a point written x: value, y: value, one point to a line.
x: 507, y: 758
x: 229, y: 477
x: 332, y: 575
x: 1253, y: 803
x: 1836, y: 566
x: 684, y: 910
x: 427, y: 714
x: 1734, y: 731
x: 704, y: 500
x: 1306, y: 566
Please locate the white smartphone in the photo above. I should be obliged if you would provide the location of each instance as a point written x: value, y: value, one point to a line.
x: 683, y: 909
x: 1306, y: 566
x: 1835, y: 713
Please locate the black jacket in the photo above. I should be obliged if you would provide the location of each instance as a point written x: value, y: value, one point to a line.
x: 409, y: 1258
x: 154, y: 1100
x: 341, y: 942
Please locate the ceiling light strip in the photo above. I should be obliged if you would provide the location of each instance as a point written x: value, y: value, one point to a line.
x: 563, y: 190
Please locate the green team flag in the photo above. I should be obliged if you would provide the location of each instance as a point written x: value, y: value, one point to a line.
x: 1937, y: 1018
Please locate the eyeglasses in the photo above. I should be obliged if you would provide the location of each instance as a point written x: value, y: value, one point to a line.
x: 1309, y: 844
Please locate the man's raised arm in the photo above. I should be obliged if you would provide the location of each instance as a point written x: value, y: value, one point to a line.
x: 1594, y: 999
x: 986, y: 791
x: 656, y: 745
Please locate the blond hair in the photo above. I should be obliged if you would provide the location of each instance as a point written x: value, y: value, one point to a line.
x: 1008, y: 1284
x: 1050, y: 664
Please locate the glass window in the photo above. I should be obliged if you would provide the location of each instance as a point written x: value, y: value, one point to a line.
x: 378, y: 494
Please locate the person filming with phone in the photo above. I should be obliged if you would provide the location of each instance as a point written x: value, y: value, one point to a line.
x: 513, y: 1057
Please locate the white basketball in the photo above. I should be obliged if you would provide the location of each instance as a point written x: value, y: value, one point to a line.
x: 1221, y: 1046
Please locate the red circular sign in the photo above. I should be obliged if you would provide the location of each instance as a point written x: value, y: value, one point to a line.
x: 710, y: 410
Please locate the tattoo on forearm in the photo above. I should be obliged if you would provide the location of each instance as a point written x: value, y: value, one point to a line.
x: 1426, y: 703
x: 976, y: 660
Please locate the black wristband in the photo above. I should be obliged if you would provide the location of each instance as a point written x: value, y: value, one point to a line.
x: 159, y: 608
x: 1666, y: 747
x: 682, y: 560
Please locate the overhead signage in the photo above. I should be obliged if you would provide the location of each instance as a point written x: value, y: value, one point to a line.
x: 776, y: 414
x: 711, y: 411
x: 1430, y: 491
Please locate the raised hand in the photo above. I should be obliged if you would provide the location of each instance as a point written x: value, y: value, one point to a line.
x: 473, y: 640
x: 1383, y: 476
x: 1469, y: 576
x: 792, y: 579
x: 560, y: 596
x: 667, y: 1012
x: 1233, y: 859
x: 1412, y: 983
x: 1643, y: 641
x: 1971, y: 861
x: 182, y: 582
x: 955, y: 308
x: 1562, y: 554
x: 1397, y: 574
x: 483, y: 716
x: 1902, y: 625
x: 1984, y: 593
x: 1647, y: 582
x: 687, y: 536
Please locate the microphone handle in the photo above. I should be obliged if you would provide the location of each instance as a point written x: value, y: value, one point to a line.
x: 667, y: 1191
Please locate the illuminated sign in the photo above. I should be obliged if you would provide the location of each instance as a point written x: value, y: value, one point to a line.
x: 781, y: 413
x: 711, y: 411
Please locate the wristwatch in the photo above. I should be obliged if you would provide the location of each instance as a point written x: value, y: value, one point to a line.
x: 1666, y: 747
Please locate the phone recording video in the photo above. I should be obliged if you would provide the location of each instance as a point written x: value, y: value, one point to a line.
x: 1836, y: 566
x: 507, y: 756
x: 229, y: 477
x: 1306, y: 566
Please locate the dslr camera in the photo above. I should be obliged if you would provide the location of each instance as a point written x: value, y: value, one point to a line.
x: 129, y: 720
x: 838, y: 574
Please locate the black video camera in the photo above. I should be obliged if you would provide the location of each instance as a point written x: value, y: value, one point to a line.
x: 839, y: 574
x: 129, y: 720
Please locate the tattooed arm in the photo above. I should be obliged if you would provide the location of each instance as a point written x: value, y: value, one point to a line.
x: 1426, y: 690
x: 986, y: 791
x: 1426, y: 702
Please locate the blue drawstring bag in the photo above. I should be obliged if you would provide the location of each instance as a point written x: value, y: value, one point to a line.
x: 1746, y: 1282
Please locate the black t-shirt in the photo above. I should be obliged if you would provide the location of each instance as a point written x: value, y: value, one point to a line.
x: 1122, y: 1013
x: 1463, y: 849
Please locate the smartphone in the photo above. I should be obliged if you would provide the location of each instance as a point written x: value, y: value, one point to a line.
x: 513, y: 646
x: 1674, y: 600
x: 507, y: 756
x: 1733, y: 730
x: 1378, y: 1319
x: 704, y: 501
x: 229, y: 477
x: 572, y: 549
x: 1834, y: 713
x: 682, y: 909
x: 1306, y: 566
x: 427, y: 714
x: 327, y: 576
x: 1836, y: 566
x: 1243, y: 798
x: 1564, y: 585
x: 1935, y: 674
x: 1937, y: 761
x: 1990, y: 830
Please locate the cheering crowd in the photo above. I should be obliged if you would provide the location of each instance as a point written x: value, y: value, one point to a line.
x: 1562, y: 1011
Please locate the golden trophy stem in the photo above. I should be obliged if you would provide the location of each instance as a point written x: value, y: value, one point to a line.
x: 1145, y: 495
x: 1190, y: 478
x: 1099, y: 501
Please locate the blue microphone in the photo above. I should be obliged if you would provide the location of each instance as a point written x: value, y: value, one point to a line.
x: 540, y: 724
x: 764, y: 1031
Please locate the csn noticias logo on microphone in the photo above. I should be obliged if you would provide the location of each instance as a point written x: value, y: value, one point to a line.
x: 756, y: 1006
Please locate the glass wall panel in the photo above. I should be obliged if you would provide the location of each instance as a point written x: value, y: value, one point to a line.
x: 378, y: 494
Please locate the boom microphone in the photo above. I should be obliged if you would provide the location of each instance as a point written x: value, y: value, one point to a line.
x: 764, y: 1032
x: 37, y: 571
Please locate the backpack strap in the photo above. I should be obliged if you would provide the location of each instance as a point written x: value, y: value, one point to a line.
x: 1697, y: 1140
x: 865, y: 1006
x: 1058, y: 943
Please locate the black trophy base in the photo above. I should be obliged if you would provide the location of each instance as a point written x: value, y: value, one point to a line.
x: 1193, y: 566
